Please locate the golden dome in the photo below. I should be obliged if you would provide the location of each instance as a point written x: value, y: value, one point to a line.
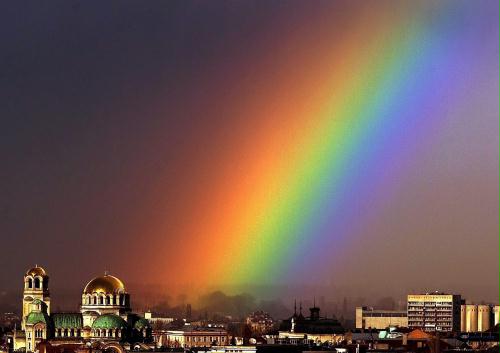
x: 106, y: 284
x: 36, y: 271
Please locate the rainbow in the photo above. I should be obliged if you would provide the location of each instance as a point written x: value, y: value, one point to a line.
x: 327, y: 142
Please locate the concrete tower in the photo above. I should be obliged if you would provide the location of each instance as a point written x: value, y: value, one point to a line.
x: 471, y: 318
x: 483, y: 317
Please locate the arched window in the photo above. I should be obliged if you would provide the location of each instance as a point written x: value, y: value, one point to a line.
x: 37, y: 282
x: 95, y: 299
x: 101, y: 301
x: 65, y: 332
x: 108, y: 300
x: 30, y: 283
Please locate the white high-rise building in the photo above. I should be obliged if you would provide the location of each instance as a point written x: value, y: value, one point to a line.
x: 434, y: 312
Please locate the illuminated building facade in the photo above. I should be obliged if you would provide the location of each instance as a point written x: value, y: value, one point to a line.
x: 197, y: 337
x: 367, y: 317
x: 105, y: 314
x: 434, y: 312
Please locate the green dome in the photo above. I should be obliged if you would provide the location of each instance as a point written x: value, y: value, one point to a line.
x: 108, y: 321
x: 141, y: 324
x: 35, y: 317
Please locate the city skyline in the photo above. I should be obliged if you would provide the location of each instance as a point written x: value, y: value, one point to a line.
x: 336, y: 300
x: 279, y: 149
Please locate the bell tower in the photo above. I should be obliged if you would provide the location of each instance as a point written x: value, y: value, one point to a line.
x: 36, y: 288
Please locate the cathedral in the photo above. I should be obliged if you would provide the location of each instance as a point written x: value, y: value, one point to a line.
x: 105, y: 315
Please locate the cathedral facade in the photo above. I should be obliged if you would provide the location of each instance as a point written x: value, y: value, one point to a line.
x: 105, y: 315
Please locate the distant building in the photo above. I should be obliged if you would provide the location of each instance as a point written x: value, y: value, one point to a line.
x: 432, y: 312
x: 153, y: 319
x: 189, y: 337
x: 367, y: 317
x: 260, y: 322
x: 314, y: 328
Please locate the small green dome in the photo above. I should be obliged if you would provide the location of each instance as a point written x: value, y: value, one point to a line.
x: 35, y: 317
x: 141, y: 324
x: 108, y: 321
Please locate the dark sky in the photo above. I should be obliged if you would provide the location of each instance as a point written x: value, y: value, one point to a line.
x: 121, y: 120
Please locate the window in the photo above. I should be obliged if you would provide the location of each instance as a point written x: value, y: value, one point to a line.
x: 30, y: 283
x: 37, y: 282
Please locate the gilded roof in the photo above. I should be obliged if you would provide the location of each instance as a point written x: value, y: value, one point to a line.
x: 106, y: 284
x: 36, y: 271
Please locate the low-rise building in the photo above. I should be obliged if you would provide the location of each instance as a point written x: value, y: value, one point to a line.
x: 313, y: 328
x: 155, y: 319
x: 367, y: 317
x: 196, y: 337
